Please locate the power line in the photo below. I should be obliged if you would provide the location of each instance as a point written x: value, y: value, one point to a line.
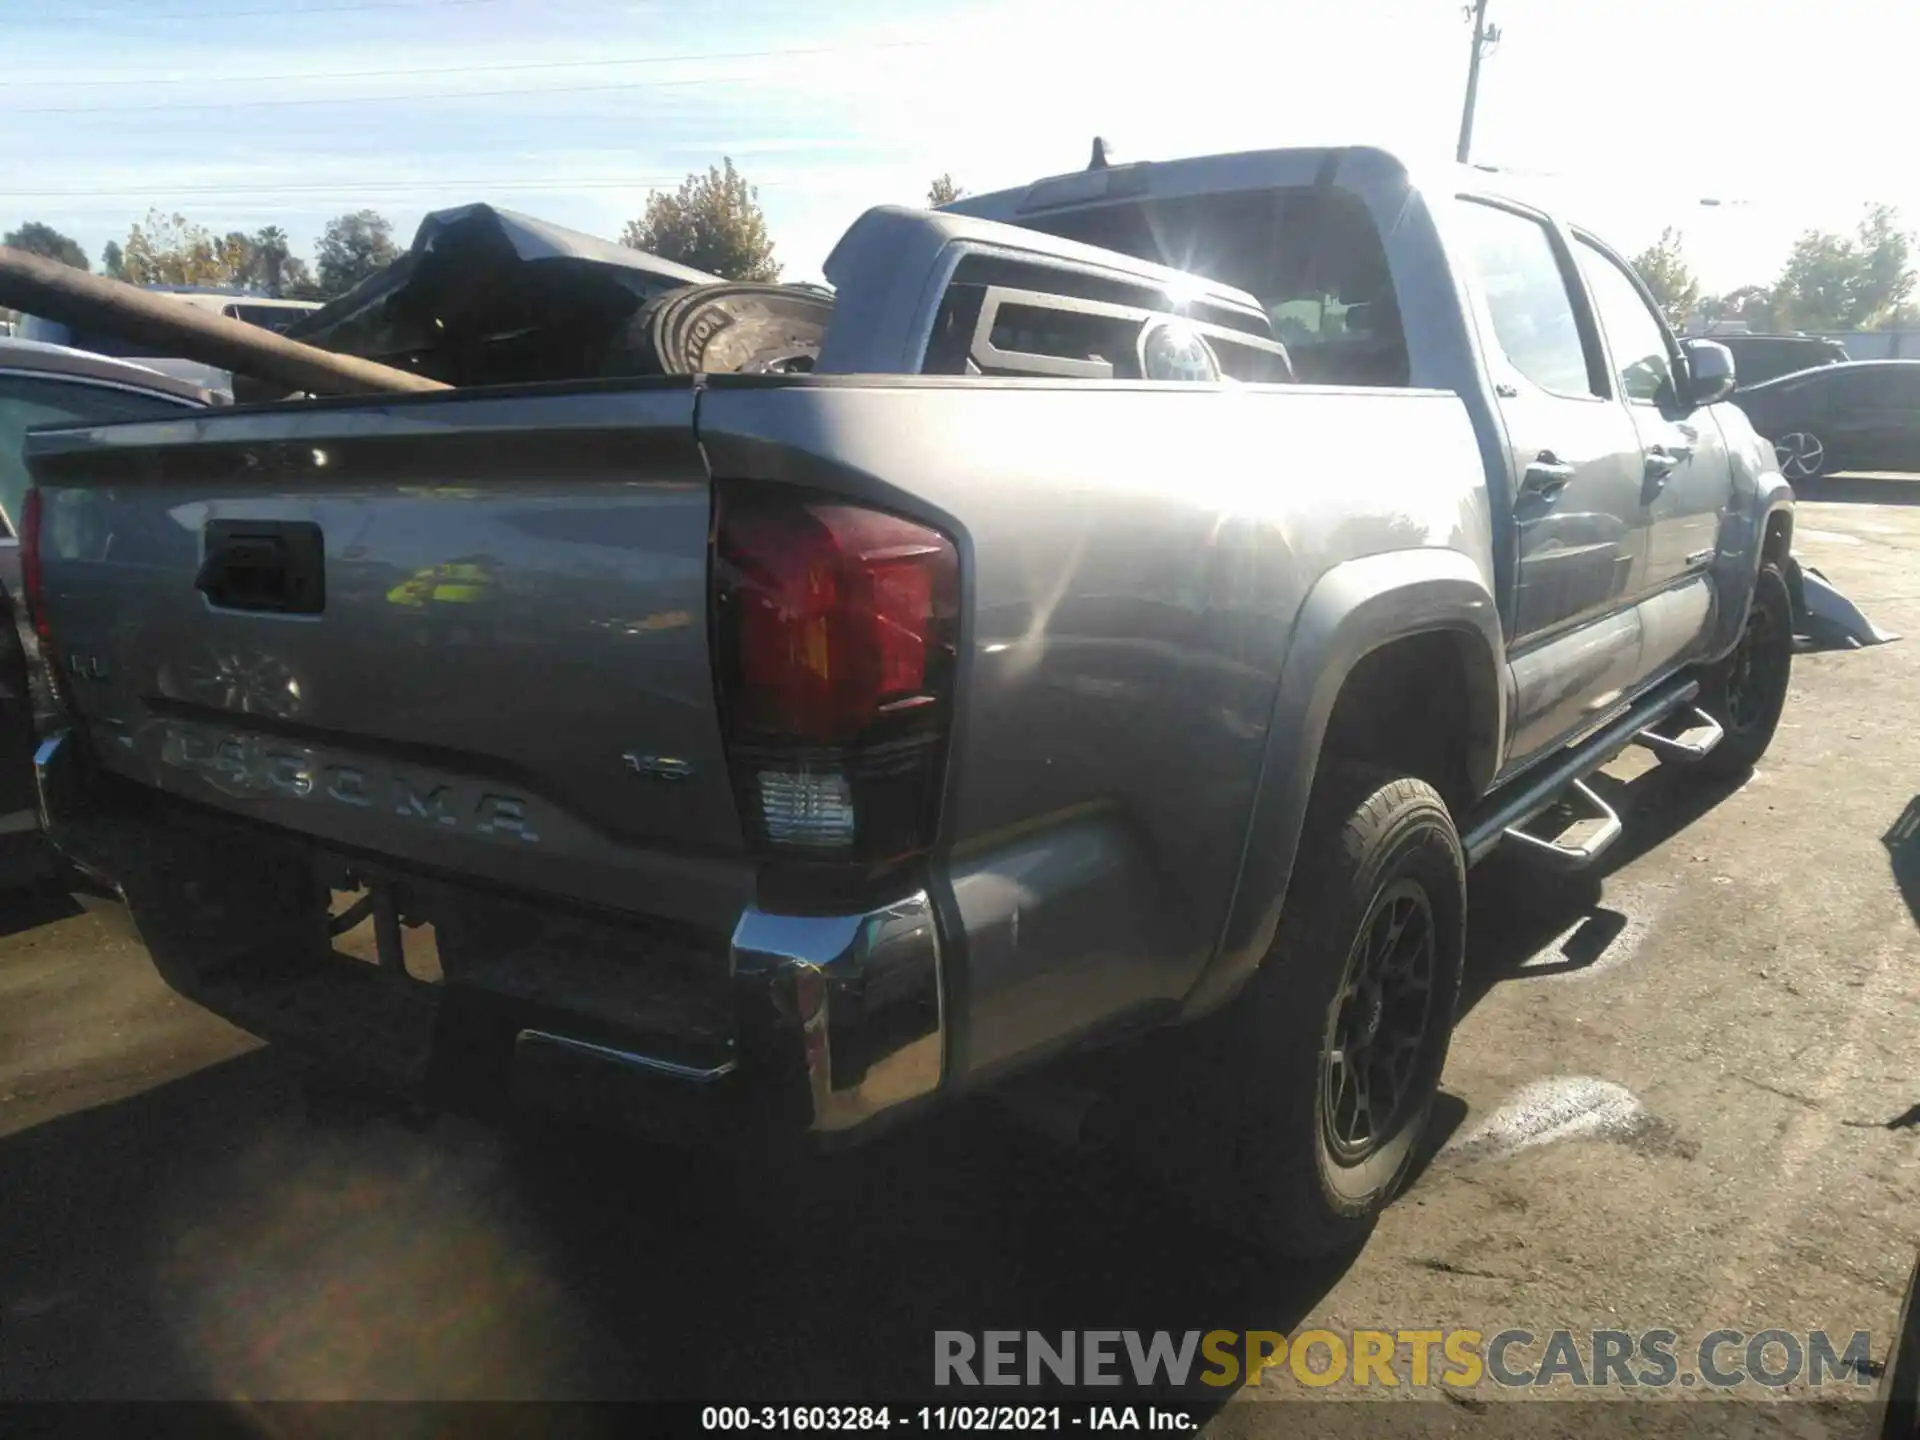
x: 120, y: 17
x: 430, y: 95
x: 628, y: 182
x: 466, y: 69
x: 358, y: 99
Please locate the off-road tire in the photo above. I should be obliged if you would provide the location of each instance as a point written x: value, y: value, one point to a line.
x: 731, y: 328
x: 1746, y: 691
x: 1255, y: 1088
x: 1900, y: 1389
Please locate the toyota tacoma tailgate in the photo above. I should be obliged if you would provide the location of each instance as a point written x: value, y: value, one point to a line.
x: 471, y: 634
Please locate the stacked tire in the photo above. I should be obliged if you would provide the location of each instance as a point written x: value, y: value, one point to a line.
x: 730, y: 328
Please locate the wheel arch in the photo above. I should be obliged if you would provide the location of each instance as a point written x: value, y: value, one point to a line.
x: 1373, y: 635
x: 1757, y: 533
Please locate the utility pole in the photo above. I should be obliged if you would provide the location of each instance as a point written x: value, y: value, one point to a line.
x: 1485, y: 37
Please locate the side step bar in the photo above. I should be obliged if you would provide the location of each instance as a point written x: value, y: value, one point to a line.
x: 1503, y: 812
x: 1696, y: 742
x: 1561, y: 853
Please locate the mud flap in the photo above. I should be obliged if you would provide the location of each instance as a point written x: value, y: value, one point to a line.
x: 1824, y: 615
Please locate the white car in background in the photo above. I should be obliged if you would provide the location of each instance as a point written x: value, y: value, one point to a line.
x: 258, y: 310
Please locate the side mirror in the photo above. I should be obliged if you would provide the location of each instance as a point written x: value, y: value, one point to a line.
x: 1709, y: 372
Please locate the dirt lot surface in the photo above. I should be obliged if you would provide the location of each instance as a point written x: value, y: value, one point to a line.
x: 1686, y: 1097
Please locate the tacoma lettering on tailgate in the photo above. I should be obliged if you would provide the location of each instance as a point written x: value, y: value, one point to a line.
x: 250, y: 766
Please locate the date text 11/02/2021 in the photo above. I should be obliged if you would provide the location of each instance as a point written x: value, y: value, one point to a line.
x: 1039, y: 1419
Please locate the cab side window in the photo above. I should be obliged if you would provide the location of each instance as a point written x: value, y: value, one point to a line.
x: 1643, y: 367
x: 1516, y: 267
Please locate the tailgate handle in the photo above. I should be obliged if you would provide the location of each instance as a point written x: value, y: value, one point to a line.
x: 276, y: 567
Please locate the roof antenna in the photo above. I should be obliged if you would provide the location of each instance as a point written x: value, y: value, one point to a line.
x: 1102, y: 157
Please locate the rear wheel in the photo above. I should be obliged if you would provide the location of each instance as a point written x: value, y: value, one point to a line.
x: 1900, y: 1390
x: 1802, y: 454
x: 1320, y: 1077
x: 1747, y: 691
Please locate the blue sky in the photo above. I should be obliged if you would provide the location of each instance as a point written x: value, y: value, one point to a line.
x: 240, y: 113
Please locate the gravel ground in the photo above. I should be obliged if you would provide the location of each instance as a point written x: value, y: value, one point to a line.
x: 1684, y: 1096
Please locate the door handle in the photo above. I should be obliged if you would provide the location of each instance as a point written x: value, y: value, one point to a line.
x: 1663, y: 460
x: 1546, y: 477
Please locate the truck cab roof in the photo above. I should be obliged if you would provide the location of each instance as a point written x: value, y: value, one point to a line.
x: 1357, y: 166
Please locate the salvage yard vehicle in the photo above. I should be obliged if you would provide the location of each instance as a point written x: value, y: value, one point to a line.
x: 1063, y: 665
x: 48, y: 385
x: 1760, y: 358
x: 264, y: 311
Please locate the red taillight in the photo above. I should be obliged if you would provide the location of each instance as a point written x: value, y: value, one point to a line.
x: 32, y: 579
x: 837, y: 609
x: 834, y: 641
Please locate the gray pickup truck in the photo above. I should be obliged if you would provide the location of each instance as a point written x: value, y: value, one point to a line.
x: 1064, y: 664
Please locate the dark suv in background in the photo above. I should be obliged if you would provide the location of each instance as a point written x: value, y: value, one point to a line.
x: 1758, y: 358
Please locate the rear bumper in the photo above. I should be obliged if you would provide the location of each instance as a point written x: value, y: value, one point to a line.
x: 838, y: 1020
x: 807, y: 1027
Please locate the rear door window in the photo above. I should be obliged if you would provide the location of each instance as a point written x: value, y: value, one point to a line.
x: 1515, y: 263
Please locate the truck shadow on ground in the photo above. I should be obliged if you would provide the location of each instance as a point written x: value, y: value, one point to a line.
x: 30, y: 908
x: 207, y: 1239
x: 1531, y: 923
x: 836, y: 1280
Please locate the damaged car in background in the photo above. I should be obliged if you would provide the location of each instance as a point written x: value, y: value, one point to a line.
x: 488, y: 297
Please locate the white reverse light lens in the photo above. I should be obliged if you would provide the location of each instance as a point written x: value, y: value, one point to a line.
x: 807, y: 808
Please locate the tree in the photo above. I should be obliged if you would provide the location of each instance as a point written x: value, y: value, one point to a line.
x: 1749, y: 305
x: 353, y: 247
x: 238, y: 245
x: 942, y: 191
x: 1832, y: 282
x: 37, y: 238
x: 113, y: 263
x: 713, y: 223
x: 1811, y: 293
x: 172, y: 250
x: 271, y: 267
x: 1884, y: 277
x: 1904, y: 316
x: 1665, y: 271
